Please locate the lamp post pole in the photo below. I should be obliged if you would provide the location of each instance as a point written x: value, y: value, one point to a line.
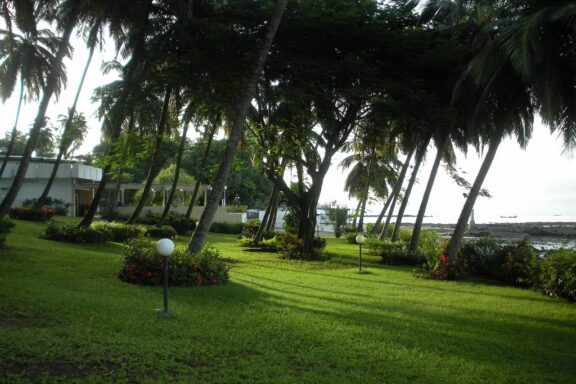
x: 360, y: 239
x: 165, y: 248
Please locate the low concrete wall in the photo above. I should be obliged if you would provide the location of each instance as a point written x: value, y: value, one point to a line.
x: 221, y: 215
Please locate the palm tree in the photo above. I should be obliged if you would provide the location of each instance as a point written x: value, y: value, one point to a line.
x: 73, y: 133
x: 198, y: 238
x: 420, y: 153
x: 52, y: 83
x: 28, y: 58
x: 155, y: 164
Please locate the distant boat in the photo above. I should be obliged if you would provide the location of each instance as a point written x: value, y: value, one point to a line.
x: 508, y: 217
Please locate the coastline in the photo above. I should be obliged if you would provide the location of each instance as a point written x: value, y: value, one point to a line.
x: 544, y: 235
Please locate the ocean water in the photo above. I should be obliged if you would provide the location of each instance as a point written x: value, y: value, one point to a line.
x: 486, y: 219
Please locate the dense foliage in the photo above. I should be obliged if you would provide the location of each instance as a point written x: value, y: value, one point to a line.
x: 558, y: 274
x: 42, y: 214
x: 142, y: 265
x: 5, y: 227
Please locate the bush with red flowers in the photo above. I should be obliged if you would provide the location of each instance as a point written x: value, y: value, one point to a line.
x: 142, y: 265
x: 42, y: 214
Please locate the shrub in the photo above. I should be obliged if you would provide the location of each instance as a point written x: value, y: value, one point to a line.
x: 514, y: 264
x: 558, y: 274
x: 164, y: 231
x: 290, y: 247
x: 42, y: 214
x: 118, y: 232
x: 71, y: 233
x: 519, y: 264
x: 180, y: 223
x: 228, y: 228
x: 237, y: 209
x: 59, y: 206
x: 5, y: 227
x: 250, y: 229
x: 142, y: 265
x: 430, y: 248
x: 394, y: 253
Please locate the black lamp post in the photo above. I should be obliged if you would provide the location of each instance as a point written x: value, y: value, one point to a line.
x: 165, y: 248
x: 360, y: 239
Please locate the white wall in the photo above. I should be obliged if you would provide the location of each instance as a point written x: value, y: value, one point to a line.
x: 221, y: 215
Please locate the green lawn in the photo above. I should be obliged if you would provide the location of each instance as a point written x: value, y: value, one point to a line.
x: 65, y: 317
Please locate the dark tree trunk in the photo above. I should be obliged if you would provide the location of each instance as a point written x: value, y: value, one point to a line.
x: 397, y: 189
x: 40, y: 120
x: 201, y: 170
x: 155, y: 165
x: 356, y: 213
x: 42, y: 199
x: 460, y: 229
x: 267, y: 216
x: 14, y: 131
x: 271, y: 226
x: 415, y: 240
x: 367, y: 189
x: 199, y: 236
x: 176, y: 174
x: 419, y: 158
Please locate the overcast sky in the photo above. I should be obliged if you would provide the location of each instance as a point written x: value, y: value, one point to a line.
x: 537, y: 181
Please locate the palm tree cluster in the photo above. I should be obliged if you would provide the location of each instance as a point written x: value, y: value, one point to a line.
x: 299, y: 82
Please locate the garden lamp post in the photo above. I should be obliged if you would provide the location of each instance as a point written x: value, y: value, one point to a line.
x: 360, y: 239
x: 165, y: 248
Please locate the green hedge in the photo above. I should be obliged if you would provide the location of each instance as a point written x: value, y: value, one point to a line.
x: 5, y: 228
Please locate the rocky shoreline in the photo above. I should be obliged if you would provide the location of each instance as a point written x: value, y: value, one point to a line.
x: 543, y: 235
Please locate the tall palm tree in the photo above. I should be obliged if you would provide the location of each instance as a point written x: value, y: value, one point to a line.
x: 73, y: 133
x: 420, y: 153
x: 56, y: 69
x: 25, y: 59
x: 199, y: 237
x: 155, y: 164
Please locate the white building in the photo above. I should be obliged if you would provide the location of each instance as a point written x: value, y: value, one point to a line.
x: 75, y: 183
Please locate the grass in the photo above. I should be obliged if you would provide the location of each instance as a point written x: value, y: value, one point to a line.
x: 64, y: 317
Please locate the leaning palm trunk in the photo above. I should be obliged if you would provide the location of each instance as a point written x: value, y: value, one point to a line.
x: 42, y: 199
x: 155, y: 161
x: 14, y: 131
x: 40, y: 120
x: 396, y: 192
x: 415, y: 240
x: 268, y: 214
x: 399, y: 217
x: 460, y: 229
x: 199, y: 236
x: 176, y: 174
x: 378, y: 222
x: 366, y: 188
x: 200, y: 170
x: 271, y: 226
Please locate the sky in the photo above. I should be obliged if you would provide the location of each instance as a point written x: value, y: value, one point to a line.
x: 537, y: 182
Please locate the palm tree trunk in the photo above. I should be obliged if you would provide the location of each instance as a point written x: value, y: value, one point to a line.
x: 176, y: 174
x: 199, y: 236
x: 200, y: 170
x: 155, y: 161
x: 267, y: 216
x: 40, y: 121
x: 460, y: 229
x: 273, y: 214
x: 419, y: 158
x: 42, y: 199
x: 367, y: 189
x: 14, y: 130
x: 378, y: 222
x: 415, y: 240
x: 356, y: 213
x: 397, y: 189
